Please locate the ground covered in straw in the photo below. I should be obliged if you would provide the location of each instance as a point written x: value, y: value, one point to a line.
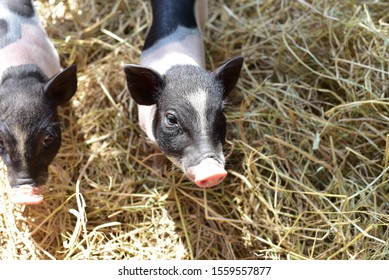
x: 307, y: 150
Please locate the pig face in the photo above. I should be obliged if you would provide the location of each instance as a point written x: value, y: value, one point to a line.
x: 30, y: 134
x: 189, y: 126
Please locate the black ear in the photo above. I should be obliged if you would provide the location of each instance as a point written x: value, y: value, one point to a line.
x: 143, y: 84
x: 62, y: 86
x: 228, y: 73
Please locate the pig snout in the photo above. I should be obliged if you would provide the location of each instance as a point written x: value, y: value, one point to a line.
x: 26, y: 194
x: 25, y: 191
x: 207, y: 173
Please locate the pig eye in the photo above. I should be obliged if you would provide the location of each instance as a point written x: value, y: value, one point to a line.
x: 171, y: 120
x: 49, y: 139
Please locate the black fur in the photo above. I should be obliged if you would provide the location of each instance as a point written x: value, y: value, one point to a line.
x: 3, y: 27
x: 181, y: 133
x: 167, y: 16
x: 143, y: 84
x: 20, y: 7
x: 183, y: 141
x: 171, y: 93
x: 28, y: 105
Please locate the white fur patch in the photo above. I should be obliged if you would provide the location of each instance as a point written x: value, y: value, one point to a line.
x: 199, y: 103
x: 184, y: 46
x: 21, y: 137
x: 146, y: 116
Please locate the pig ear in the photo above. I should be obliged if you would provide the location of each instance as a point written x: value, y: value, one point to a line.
x: 228, y: 73
x: 143, y: 83
x: 62, y: 86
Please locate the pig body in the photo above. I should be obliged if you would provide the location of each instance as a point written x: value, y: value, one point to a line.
x: 23, y: 39
x: 180, y: 104
x: 32, y: 85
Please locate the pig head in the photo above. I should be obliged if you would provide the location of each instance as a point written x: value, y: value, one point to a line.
x: 30, y: 132
x: 32, y: 85
x: 187, y: 119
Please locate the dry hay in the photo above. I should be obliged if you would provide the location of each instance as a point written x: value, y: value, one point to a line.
x: 307, y: 150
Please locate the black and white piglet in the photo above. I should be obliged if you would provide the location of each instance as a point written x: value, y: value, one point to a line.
x: 180, y: 104
x: 32, y: 85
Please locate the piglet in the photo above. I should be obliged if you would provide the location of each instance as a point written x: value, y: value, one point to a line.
x: 180, y: 104
x: 32, y: 85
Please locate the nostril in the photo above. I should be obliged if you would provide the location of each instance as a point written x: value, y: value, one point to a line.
x: 212, y: 156
x: 203, y: 183
x: 210, y: 182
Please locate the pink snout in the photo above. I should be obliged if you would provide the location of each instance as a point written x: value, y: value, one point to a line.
x: 207, y: 173
x: 26, y: 194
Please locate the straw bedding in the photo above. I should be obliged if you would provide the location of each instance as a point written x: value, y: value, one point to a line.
x: 307, y: 146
